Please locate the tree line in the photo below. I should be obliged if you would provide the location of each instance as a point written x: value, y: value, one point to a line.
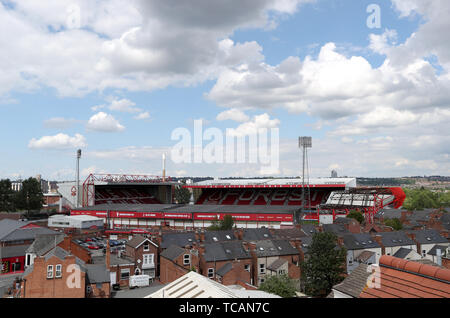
x: 29, y: 198
x: 419, y: 199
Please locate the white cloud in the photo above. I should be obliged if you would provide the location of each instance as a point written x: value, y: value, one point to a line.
x: 254, y: 126
x: 233, y: 114
x: 133, y: 45
x: 141, y: 116
x: 59, y: 141
x: 124, y: 105
x: 104, y: 123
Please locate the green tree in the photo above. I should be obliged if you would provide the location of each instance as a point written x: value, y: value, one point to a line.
x: 223, y: 225
x: 280, y: 285
x: 182, y: 195
x: 30, y: 197
x: 324, y: 266
x: 394, y: 223
x: 357, y: 216
x: 6, y: 196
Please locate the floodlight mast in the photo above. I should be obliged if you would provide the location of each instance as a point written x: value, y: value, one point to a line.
x: 78, y: 177
x: 304, y: 143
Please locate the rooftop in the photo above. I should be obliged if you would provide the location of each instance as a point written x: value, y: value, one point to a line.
x: 398, y: 278
x: 225, y: 251
x: 194, y: 285
x: 359, y: 241
x: 269, y: 248
x: 354, y: 284
x: 179, y: 239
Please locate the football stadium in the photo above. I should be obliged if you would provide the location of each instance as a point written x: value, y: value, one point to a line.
x: 140, y: 204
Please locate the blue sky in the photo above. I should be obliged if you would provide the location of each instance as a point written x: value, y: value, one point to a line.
x: 155, y: 60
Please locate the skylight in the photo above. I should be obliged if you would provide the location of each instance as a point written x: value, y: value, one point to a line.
x: 228, y: 237
x: 215, y: 239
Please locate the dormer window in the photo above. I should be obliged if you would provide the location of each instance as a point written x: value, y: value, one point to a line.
x: 146, y: 247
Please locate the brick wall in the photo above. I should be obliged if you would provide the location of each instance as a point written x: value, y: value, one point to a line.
x: 170, y: 271
x: 70, y: 285
x: 100, y: 291
x: 75, y: 249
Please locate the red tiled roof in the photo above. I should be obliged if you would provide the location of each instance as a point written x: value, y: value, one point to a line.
x: 398, y: 278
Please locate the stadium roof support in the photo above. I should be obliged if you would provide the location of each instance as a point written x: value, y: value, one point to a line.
x: 95, y: 179
x: 366, y: 200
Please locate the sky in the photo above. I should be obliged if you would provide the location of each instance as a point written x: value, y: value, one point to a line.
x: 120, y: 79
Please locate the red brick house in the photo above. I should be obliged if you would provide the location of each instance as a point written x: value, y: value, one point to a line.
x: 59, y: 274
x: 144, y: 254
x: 228, y: 262
x: 176, y: 261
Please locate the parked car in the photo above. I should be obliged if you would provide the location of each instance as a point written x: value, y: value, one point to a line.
x: 93, y: 247
x: 88, y: 239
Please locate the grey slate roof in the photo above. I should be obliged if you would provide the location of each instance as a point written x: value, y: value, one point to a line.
x: 429, y: 236
x: 257, y: 234
x: 8, y: 225
x: 194, y: 208
x: 364, y: 256
x: 225, y: 251
x: 389, y: 213
x: 355, y: 283
x: 97, y: 274
x: 269, y: 248
x: 44, y: 243
x: 13, y: 251
x: 179, y: 239
x: 219, y: 236
x: 338, y: 229
x: 277, y: 264
x: 10, y: 230
x: 443, y: 249
x: 224, y: 269
x: 172, y: 252
x: 397, y: 238
x: 445, y: 219
x: 359, y: 241
x: 306, y: 243
x: 138, y: 240
x: 402, y: 252
x: 308, y: 229
x: 293, y: 233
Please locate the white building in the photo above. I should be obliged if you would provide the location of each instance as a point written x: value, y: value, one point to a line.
x: 75, y: 221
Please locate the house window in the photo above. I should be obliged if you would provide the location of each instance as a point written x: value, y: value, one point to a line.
x: 148, y: 259
x: 146, y: 247
x: 210, y: 272
x: 28, y: 261
x: 58, y: 271
x: 281, y: 272
x: 247, y: 267
x: 262, y: 268
x: 424, y: 253
x: 50, y: 271
x: 186, y: 259
x: 124, y: 273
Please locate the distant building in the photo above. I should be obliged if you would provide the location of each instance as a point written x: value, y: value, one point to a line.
x: 334, y: 174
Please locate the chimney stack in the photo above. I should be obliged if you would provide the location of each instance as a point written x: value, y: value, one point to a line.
x: 439, y: 257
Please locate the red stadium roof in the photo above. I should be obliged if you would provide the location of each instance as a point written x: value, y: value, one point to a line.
x: 276, y: 183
